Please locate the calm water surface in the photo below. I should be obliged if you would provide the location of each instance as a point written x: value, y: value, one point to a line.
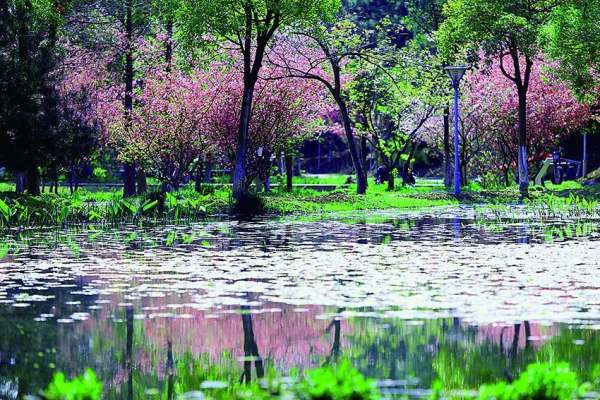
x: 407, y: 297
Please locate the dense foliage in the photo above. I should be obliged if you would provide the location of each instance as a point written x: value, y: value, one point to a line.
x: 176, y: 89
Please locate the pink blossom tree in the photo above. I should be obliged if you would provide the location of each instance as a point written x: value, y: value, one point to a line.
x: 165, y: 131
x: 284, y: 113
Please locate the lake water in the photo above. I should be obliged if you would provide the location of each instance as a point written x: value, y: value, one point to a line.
x: 407, y: 297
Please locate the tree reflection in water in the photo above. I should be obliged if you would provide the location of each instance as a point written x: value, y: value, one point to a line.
x: 250, y: 349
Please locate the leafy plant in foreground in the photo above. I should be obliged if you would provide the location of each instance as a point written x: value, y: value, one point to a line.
x: 341, y: 382
x: 539, y: 381
x: 84, y: 387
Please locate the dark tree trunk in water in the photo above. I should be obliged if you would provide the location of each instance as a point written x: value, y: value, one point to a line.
x: 129, y: 352
x: 170, y: 371
x: 447, y: 156
x: 251, y: 349
x: 33, y: 181
x: 337, y: 330
x: 21, y: 182
x: 363, y: 154
x: 522, y: 155
x: 129, y: 181
x: 142, y: 184
x: 337, y: 334
x: 361, y: 179
x: 515, y: 344
x: 527, y: 334
x: 288, y: 172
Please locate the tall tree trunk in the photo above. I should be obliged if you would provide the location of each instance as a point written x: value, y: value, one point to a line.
x: 142, y: 184
x: 129, y: 180
x: 288, y: 172
x: 522, y: 142
x: 363, y: 154
x: 169, y: 45
x: 252, y: 66
x: 447, y: 156
x: 266, y: 171
x: 207, y: 172
x: 239, y: 172
x: 77, y: 177
x: 391, y: 187
x: 298, y: 171
x: 129, y: 177
x: 319, y: 153
x: 411, y: 154
x: 21, y: 182
x: 33, y: 181
x: 361, y: 179
x: 71, y: 178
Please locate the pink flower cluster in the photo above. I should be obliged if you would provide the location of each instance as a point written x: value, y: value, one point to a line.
x: 183, y: 115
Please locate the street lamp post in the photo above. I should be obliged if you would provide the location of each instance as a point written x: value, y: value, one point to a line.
x: 456, y: 73
x: 584, y: 171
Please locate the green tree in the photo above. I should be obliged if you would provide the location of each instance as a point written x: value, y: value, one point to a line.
x: 249, y: 25
x: 333, y: 54
x: 28, y: 43
x: 423, y: 21
x: 574, y: 39
x: 509, y: 31
x: 392, y: 106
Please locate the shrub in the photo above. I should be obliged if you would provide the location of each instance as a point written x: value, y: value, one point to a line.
x: 84, y: 387
x: 541, y: 382
x: 341, y: 383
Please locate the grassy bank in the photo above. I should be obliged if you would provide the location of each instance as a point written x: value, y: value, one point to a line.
x: 187, y: 205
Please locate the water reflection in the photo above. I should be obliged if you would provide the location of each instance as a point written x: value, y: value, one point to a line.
x: 408, y: 298
x: 144, y: 349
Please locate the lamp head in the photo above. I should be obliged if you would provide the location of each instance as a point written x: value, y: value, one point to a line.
x: 456, y: 72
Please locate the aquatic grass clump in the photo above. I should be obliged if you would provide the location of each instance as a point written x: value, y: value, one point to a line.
x: 50, y: 210
x: 573, y: 206
x: 545, y: 208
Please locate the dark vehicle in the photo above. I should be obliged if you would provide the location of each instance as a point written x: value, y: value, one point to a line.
x: 382, y: 175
